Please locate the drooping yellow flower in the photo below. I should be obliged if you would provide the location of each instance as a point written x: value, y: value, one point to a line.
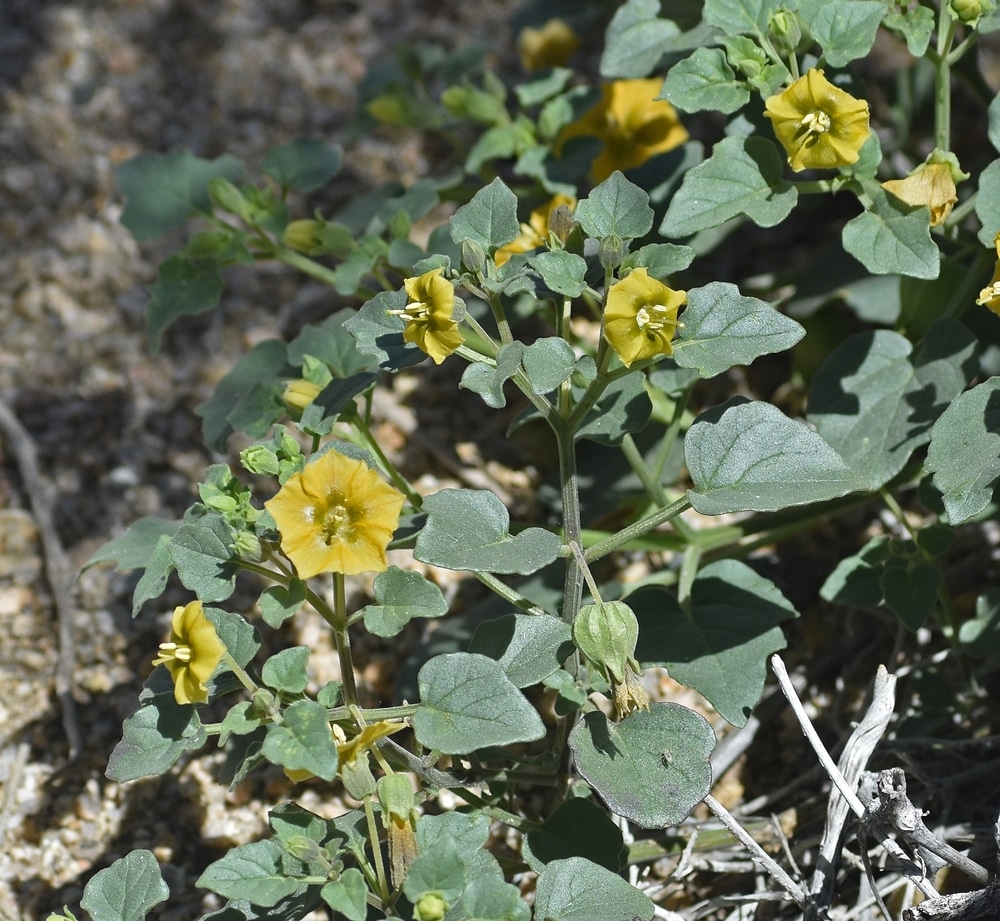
x: 336, y: 515
x: 931, y: 184
x: 632, y: 123
x: 193, y: 653
x: 819, y: 125
x: 641, y: 317
x: 299, y: 394
x: 990, y: 295
x: 536, y: 232
x: 549, y: 46
x: 430, y: 315
x: 348, y: 750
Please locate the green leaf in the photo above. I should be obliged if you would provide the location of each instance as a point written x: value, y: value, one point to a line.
x: 467, y: 702
x: 624, y: 407
x: 562, y: 272
x: 348, y: 895
x: 705, y: 81
x: 331, y: 343
x: 743, y: 176
x: 468, y: 529
x: 857, y: 579
x: 489, y: 898
x: 240, y: 637
x: 488, y: 381
x: 911, y: 588
x: 988, y: 202
x: 154, y: 579
x: 844, y: 29
x: 127, y: 890
x: 303, y: 741
x: 154, y: 737
x: 183, y: 287
x: 163, y: 190
x: 490, y: 219
x: 723, y: 328
x: 740, y: 16
x: 874, y: 405
x: 616, y: 206
x: 306, y: 164
x: 891, y: 238
x: 252, y: 872
x: 529, y: 648
x: 286, y: 670
x: 264, y: 363
x: 440, y: 871
x: 278, y: 603
x: 635, y: 39
x: 380, y: 334
x: 651, y: 768
x: 719, y: 642
x: 469, y: 830
x: 577, y: 828
x: 547, y: 363
x: 241, y: 720
x: 964, y: 453
x: 575, y: 889
x: 750, y: 457
x: 660, y: 259
x: 980, y: 636
x: 135, y: 548
x: 400, y: 596
x: 201, y: 551
x: 320, y: 416
x: 915, y: 24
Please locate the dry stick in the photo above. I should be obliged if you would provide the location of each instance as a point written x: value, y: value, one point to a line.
x: 57, y: 567
x: 891, y: 847
x: 852, y: 762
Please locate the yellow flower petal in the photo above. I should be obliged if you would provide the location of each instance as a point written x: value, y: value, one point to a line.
x: 536, y: 232
x: 819, y: 125
x: 931, y: 185
x: 632, y: 124
x: 429, y: 315
x: 641, y: 317
x: 990, y: 295
x: 337, y: 515
x: 192, y: 654
x: 549, y: 46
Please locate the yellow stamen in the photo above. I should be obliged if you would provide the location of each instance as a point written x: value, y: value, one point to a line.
x: 654, y: 318
x: 817, y: 122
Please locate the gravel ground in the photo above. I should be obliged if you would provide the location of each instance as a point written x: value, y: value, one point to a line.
x: 86, y: 85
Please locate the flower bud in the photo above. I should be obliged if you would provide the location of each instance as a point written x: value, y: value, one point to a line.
x: 606, y: 634
x: 302, y: 235
x: 227, y: 197
x: 247, y: 546
x: 785, y: 29
x: 967, y: 11
x: 299, y: 394
x: 260, y: 460
x: 473, y: 257
x: 430, y: 907
x: 612, y: 251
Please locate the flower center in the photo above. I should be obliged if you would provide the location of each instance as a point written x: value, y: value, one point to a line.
x: 335, y: 523
x: 991, y: 292
x: 653, y: 318
x: 816, y: 123
x: 173, y: 652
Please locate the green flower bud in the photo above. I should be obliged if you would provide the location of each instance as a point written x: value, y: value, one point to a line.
x: 303, y: 235
x: 430, y: 907
x: 785, y: 29
x: 967, y: 11
x: 259, y: 459
x: 606, y: 634
x: 612, y: 251
x: 247, y: 546
x: 227, y: 197
x: 357, y: 777
x: 289, y: 446
x: 473, y: 257
x: 395, y: 795
x: 304, y: 849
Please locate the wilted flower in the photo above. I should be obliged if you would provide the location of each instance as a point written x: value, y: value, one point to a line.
x: 990, y: 295
x: 641, y: 316
x: 193, y: 653
x: 430, y: 315
x: 549, y: 46
x: 819, y: 125
x: 931, y: 184
x: 336, y: 515
x: 536, y: 232
x: 299, y: 394
x: 632, y: 123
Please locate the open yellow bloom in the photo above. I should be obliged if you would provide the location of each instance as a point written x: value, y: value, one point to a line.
x: 931, y: 184
x: 641, y: 317
x: 336, y: 515
x: 990, y: 295
x: 819, y: 125
x: 536, y: 232
x: 193, y: 653
x: 549, y: 46
x: 632, y: 123
x: 429, y: 315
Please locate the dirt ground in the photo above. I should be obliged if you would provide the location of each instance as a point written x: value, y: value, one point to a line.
x: 83, y: 86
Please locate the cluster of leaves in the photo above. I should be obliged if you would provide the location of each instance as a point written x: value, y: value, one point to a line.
x: 906, y: 407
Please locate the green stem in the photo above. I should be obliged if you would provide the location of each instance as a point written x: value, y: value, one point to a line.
x: 573, y: 586
x: 343, y: 640
x: 508, y: 594
x: 638, y: 529
x: 383, y: 882
x: 306, y: 265
x: 241, y: 673
x: 942, y: 79
x: 402, y: 484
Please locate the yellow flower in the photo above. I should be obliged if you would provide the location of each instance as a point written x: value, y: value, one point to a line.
x: 193, y: 653
x: 931, y: 184
x: 429, y: 315
x: 990, y: 295
x: 536, y: 232
x: 366, y: 739
x: 336, y: 515
x: 819, y: 125
x: 641, y: 316
x: 299, y: 394
x: 549, y: 46
x: 632, y: 123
